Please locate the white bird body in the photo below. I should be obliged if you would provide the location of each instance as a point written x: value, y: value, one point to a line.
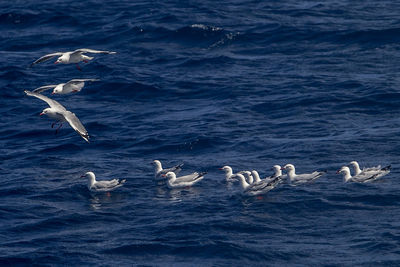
x: 363, y: 177
x: 301, y: 178
x: 259, y: 188
x: 183, y: 181
x: 59, y: 113
x: 71, y: 57
x: 71, y: 86
x: 159, y: 171
x: 102, y: 186
x: 378, y: 170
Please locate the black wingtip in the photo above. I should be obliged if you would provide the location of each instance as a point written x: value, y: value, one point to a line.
x: 86, y: 138
x: 387, y: 168
x: 202, y: 174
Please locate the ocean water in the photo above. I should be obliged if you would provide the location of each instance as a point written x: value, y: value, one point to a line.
x: 206, y: 83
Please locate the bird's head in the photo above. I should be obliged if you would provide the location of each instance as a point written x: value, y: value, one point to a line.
x: 157, y: 164
x: 226, y: 169
x: 354, y: 163
x: 89, y: 175
x: 61, y: 59
x: 276, y: 168
x: 288, y: 167
x: 45, y: 111
x: 57, y: 90
x: 344, y: 169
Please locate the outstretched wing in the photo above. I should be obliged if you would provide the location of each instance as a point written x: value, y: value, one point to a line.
x: 77, y: 81
x: 52, y: 103
x: 44, y: 88
x: 86, y: 50
x: 76, y: 124
x: 46, y: 57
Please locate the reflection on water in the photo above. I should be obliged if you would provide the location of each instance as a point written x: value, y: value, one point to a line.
x: 105, y: 199
x: 176, y: 195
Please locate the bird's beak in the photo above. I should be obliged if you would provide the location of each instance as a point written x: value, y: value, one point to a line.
x: 163, y: 175
x: 52, y: 93
x: 282, y: 169
x: 41, y: 114
x: 56, y: 62
x: 82, y: 176
x: 220, y: 169
x: 338, y: 171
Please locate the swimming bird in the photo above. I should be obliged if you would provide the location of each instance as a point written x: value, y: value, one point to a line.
x: 257, y: 188
x: 102, y: 186
x: 362, y: 177
x: 370, y: 171
x: 183, y: 181
x: 71, y: 86
x: 71, y: 56
x: 59, y: 113
x: 301, y: 178
x: 159, y: 171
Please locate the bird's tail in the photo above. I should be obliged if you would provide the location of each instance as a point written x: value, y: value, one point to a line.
x: 202, y: 173
x: 320, y: 173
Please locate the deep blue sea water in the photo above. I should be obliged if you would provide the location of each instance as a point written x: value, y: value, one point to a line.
x: 208, y: 83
